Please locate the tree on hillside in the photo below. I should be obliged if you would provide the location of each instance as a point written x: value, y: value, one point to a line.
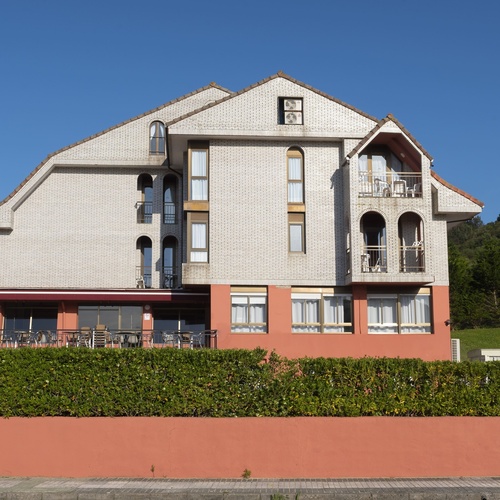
x: 486, y: 278
x: 465, y: 301
x: 474, y: 269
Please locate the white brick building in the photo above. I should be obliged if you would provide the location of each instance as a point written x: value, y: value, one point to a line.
x: 277, y: 215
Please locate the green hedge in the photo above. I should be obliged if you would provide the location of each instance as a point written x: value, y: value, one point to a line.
x: 237, y: 383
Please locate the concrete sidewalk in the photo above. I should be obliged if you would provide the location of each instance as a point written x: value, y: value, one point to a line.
x: 250, y: 489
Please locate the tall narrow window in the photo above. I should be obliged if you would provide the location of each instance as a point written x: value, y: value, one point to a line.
x: 157, y: 138
x: 145, y: 203
x: 198, y: 236
x: 198, y: 172
x: 295, y: 168
x: 144, y: 269
x: 296, y: 238
x: 374, y: 256
x: 169, y: 198
x: 170, y: 278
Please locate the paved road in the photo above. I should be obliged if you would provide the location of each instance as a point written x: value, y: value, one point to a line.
x: 249, y: 489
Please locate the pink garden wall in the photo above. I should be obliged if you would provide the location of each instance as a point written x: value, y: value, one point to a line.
x: 268, y: 447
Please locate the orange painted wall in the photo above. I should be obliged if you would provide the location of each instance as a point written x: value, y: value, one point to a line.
x: 428, y: 347
x: 268, y: 447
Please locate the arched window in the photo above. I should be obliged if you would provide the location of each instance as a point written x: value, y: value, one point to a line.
x: 145, y: 202
x: 295, y: 173
x: 411, y: 241
x: 170, y: 276
x: 145, y: 258
x: 374, y: 256
x: 157, y: 138
x: 169, y: 199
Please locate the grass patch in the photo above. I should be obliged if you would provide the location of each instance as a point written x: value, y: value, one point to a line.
x: 480, y: 338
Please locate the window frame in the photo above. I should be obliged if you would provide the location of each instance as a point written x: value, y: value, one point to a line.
x: 294, y: 153
x: 198, y: 218
x: 245, y: 295
x: 198, y: 147
x: 296, y: 220
x: 400, y: 327
x: 322, y: 326
x: 157, y: 141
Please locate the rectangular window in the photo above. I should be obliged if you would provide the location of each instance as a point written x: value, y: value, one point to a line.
x: 382, y: 314
x: 198, y: 172
x: 306, y: 313
x: 415, y: 313
x: 20, y: 318
x: 321, y: 312
x: 248, y: 311
x: 337, y: 314
x: 198, y: 236
x: 295, y: 177
x: 296, y: 233
x: 114, y: 317
x: 399, y: 313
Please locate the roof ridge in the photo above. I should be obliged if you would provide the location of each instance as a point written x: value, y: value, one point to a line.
x: 279, y: 74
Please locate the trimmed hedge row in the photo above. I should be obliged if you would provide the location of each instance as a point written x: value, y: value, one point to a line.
x: 237, y: 383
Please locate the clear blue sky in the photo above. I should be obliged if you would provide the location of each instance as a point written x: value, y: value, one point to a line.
x: 70, y: 69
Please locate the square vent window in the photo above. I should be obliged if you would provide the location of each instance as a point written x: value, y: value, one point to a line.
x: 290, y: 111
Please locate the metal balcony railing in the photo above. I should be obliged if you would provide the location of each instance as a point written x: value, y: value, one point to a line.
x: 374, y: 259
x: 412, y: 258
x: 170, y: 277
x: 144, y: 212
x: 390, y: 185
x: 169, y: 213
x: 143, y: 277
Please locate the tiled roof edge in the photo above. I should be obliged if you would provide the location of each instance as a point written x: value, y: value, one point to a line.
x: 279, y: 74
x: 109, y: 129
x: 379, y: 125
x: 456, y: 190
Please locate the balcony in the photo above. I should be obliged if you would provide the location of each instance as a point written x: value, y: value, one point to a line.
x: 168, y: 213
x: 143, y: 277
x: 412, y: 258
x: 170, y: 278
x: 374, y: 259
x: 390, y: 185
x: 144, y: 212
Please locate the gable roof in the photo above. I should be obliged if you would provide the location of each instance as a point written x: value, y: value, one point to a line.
x: 279, y: 74
x: 379, y: 125
x: 114, y: 127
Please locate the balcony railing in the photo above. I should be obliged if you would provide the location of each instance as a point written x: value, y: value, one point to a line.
x: 144, y: 212
x: 168, y: 213
x: 374, y: 259
x: 143, y: 277
x: 93, y: 338
x: 170, y: 278
x: 412, y: 258
x: 390, y: 185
